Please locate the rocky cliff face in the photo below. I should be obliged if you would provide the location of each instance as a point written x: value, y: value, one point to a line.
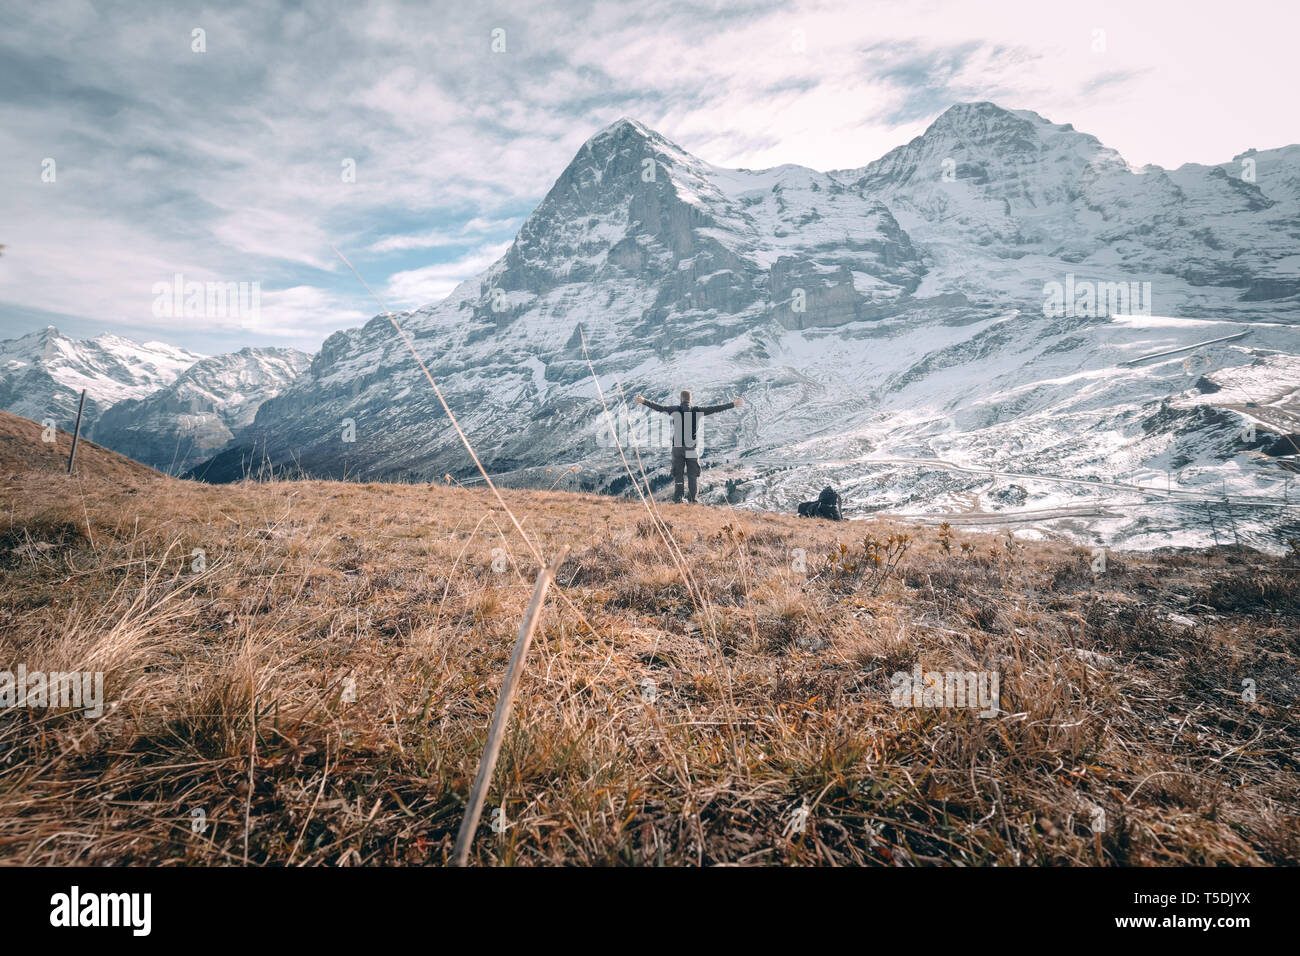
x: 892, y: 311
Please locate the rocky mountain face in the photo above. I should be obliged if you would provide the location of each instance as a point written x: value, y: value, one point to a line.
x: 968, y: 301
x: 42, y: 374
x: 197, y: 415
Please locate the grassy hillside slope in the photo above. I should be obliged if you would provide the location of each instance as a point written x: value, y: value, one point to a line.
x: 303, y: 672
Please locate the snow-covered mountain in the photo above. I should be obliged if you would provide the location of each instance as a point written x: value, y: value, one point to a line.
x: 199, y: 413
x: 954, y: 302
x: 985, y: 185
x: 165, y: 406
x: 42, y: 374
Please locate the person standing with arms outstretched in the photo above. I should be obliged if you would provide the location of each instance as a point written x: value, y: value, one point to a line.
x: 686, y: 434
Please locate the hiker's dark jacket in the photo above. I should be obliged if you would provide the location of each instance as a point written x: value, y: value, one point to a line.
x: 686, y: 422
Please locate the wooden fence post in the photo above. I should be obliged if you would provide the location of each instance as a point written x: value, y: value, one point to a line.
x: 76, y: 432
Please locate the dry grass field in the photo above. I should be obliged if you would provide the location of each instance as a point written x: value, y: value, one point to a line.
x: 302, y: 673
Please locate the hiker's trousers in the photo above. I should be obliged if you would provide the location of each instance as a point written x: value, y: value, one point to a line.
x: 690, y: 467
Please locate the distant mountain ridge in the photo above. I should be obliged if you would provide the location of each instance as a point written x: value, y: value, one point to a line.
x: 162, y: 405
x: 42, y: 373
x: 197, y: 415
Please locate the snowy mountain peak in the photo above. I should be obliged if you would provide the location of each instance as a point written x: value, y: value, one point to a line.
x: 629, y: 146
x: 621, y: 130
x: 629, y: 134
x: 982, y: 118
x: 985, y: 124
x: 43, y: 373
x: 1016, y: 154
x: 628, y: 196
x: 32, y: 343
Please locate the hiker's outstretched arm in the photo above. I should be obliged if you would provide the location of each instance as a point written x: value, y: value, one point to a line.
x: 655, y: 406
x: 714, y: 409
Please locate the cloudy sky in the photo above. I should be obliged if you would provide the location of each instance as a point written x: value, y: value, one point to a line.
x: 230, y: 164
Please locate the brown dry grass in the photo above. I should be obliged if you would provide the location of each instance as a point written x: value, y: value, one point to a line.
x: 772, y: 686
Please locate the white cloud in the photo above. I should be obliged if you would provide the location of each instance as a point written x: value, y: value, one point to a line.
x: 417, y: 287
x: 438, y: 238
x: 305, y: 310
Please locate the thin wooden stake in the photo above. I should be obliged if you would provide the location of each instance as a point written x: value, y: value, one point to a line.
x: 501, y: 716
x: 72, y: 457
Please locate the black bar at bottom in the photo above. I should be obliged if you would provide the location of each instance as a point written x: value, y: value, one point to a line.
x: 332, y: 906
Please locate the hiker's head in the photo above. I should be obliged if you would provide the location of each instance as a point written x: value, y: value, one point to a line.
x: 686, y: 396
